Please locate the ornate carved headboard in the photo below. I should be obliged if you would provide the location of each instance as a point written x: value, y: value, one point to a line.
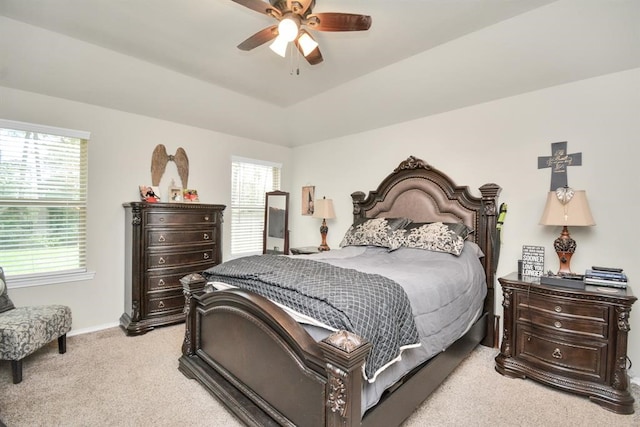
x: 422, y: 193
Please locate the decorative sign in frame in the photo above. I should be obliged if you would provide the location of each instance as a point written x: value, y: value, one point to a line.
x: 532, y: 260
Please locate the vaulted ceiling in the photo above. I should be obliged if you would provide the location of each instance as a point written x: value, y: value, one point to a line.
x: 177, y: 59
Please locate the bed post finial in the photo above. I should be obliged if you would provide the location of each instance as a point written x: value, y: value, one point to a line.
x: 412, y: 162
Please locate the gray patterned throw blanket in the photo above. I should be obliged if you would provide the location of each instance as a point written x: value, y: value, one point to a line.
x: 369, y: 305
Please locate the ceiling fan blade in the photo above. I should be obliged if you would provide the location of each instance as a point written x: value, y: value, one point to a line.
x: 259, y: 38
x: 258, y: 6
x: 338, y: 22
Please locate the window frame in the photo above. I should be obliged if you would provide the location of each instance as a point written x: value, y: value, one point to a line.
x: 258, y: 207
x: 63, y: 276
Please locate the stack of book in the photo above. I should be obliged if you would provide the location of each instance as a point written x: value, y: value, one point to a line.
x: 612, y: 277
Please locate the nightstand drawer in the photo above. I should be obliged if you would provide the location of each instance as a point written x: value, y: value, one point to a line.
x: 586, y: 360
x: 566, y: 324
x: 558, y: 306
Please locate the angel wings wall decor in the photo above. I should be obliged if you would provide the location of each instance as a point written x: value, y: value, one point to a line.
x: 159, y: 161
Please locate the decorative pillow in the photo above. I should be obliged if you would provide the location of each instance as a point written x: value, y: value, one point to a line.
x: 373, y: 232
x: 5, y: 302
x: 436, y: 236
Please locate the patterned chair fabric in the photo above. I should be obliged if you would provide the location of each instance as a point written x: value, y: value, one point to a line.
x: 24, y: 330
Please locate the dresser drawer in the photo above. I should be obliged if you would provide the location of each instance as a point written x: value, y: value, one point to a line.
x: 181, y: 258
x: 180, y: 218
x: 573, y: 325
x: 165, y: 302
x: 167, y: 238
x: 585, y: 360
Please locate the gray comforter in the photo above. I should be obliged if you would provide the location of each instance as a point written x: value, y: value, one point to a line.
x: 369, y: 305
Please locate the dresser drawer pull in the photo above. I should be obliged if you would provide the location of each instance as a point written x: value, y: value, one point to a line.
x: 161, y: 219
x: 205, y: 236
x: 162, y: 261
x: 161, y: 282
x: 557, y: 324
x: 161, y: 238
x: 558, y: 309
x: 206, y: 218
x: 205, y: 255
x: 161, y: 304
x: 557, y: 354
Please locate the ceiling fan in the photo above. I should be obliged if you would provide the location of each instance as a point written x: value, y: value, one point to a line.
x: 293, y: 16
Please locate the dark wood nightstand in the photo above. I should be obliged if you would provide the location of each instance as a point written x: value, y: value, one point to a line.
x: 571, y: 339
x: 306, y: 250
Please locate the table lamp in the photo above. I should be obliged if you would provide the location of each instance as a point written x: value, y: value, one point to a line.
x: 566, y: 207
x: 323, y: 208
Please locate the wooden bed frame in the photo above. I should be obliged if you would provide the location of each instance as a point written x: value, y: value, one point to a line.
x: 268, y: 370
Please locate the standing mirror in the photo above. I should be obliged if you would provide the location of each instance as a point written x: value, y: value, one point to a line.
x: 276, y: 223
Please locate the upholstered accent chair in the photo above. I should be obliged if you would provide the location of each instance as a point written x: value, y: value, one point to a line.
x: 23, y: 330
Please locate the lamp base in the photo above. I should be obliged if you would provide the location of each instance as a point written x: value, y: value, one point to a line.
x: 565, y: 246
x: 323, y: 233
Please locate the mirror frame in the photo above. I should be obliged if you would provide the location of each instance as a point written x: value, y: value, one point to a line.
x: 265, y: 233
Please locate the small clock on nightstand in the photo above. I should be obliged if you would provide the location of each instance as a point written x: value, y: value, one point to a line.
x: 571, y: 339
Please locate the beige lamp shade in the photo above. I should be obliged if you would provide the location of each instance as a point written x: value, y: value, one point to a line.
x: 575, y: 212
x: 323, y: 208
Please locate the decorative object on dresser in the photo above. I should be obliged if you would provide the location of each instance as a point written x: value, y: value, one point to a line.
x: 574, y: 340
x: 324, y: 209
x: 159, y: 160
x: 565, y: 207
x: 163, y: 243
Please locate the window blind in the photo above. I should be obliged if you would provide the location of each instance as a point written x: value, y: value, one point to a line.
x: 250, y: 180
x: 43, y: 199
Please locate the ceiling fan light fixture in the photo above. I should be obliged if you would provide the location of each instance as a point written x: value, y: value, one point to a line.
x: 279, y: 46
x: 288, y: 29
x: 307, y: 44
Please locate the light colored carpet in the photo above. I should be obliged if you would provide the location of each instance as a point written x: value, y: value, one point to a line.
x: 109, y: 379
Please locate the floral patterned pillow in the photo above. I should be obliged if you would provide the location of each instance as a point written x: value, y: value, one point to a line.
x: 373, y: 232
x: 436, y: 236
x: 5, y: 303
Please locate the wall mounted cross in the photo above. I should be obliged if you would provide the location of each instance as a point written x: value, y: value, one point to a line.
x: 558, y: 162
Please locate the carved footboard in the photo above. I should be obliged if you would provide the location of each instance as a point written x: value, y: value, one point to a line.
x: 265, y: 367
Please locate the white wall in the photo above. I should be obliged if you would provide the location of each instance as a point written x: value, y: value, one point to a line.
x: 500, y: 142
x: 119, y: 160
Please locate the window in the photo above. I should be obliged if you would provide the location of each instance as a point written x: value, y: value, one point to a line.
x: 250, y: 180
x: 43, y: 202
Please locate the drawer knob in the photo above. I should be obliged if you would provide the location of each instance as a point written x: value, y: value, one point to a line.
x: 161, y: 219
x: 558, y: 309
x: 161, y: 282
x: 205, y: 236
x: 206, y: 218
x: 205, y: 255
x: 162, y: 261
x: 557, y: 354
x: 557, y: 324
x: 161, y: 304
x: 161, y: 238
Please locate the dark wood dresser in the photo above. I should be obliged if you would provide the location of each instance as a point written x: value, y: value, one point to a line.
x: 163, y: 243
x: 572, y: 339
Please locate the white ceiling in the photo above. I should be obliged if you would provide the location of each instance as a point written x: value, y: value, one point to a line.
x: 419, y: 58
